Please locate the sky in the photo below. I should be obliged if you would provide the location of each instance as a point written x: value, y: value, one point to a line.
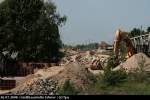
x: 97, y: 20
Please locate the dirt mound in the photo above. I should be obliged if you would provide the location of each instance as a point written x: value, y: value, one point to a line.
x: 135, y: 63
x: 31, y: 82
x: 45, y: 73
x: 77, y: 74
x: 46, y: 81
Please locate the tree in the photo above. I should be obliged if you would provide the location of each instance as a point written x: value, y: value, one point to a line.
x: 148, y: 29
x: 135, y: 32
x: 85, y: 47
x: 30, y: 28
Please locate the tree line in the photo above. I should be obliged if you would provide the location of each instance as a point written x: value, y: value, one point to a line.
x: 83, y: 47
x: 137, y: 31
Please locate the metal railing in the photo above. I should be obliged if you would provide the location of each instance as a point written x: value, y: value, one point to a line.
x: 142, y: 43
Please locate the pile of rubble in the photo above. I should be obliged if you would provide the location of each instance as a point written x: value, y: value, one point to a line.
x: 93, y: 59
x: 87, y: 58
x: 38, y: 87
x: 70, y: 56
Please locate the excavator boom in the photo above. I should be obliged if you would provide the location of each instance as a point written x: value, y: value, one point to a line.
x: 119, y: 37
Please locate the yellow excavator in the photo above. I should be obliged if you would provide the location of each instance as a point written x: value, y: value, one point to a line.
x: 119, y: 37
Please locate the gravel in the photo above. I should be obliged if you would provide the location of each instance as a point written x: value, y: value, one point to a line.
x: 39, y: 87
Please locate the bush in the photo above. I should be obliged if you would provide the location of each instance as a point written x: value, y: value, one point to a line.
x: 121, y: 83
x: 114, y: 78
x: 67, y: 89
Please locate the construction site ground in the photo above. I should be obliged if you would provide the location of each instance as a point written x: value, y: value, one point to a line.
x: 75, y: 68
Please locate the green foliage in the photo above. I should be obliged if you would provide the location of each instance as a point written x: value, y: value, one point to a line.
x: 135, y: 32
x: 67, y: 89
x: 92, y: 79
x: 110, y: 63
x: 90, y: 46
x: 148, y: 29
x: 84, y: 47
x: 126, y: 88
x: 133, y: 88
x: 112, y: 78
x: 30, y: 27
x: 123, y: 51
x: 119, y: 82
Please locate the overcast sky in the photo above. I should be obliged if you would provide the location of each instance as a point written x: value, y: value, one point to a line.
x: 97, y: 20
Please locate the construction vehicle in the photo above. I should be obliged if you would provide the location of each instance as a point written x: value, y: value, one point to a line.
x: 119, y: 37
x: 133, y: 45
x: 137, y: 44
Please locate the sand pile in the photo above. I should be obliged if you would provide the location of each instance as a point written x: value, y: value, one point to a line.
x: 77, y: 74
x: 135, y: 63
x: 37, y: 83
x: 46, y: 81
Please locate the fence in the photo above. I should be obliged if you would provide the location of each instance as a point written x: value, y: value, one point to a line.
x: 142, y: 43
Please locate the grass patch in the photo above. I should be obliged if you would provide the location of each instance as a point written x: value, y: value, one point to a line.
x: 121, y: 83
x: 127, y: 87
